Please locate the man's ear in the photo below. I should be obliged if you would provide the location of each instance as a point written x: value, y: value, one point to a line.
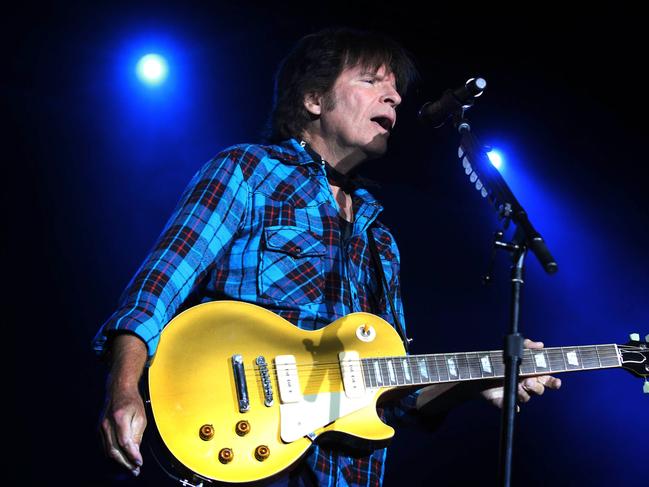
x: 313, y: 103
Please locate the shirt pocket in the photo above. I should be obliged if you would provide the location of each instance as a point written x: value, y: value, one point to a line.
x: 390, y: 265
x: 291, y: 265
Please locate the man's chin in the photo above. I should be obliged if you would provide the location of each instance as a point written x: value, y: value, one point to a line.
x: 377, y: 147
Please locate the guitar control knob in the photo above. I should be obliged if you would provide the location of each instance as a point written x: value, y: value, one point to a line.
x: 206, y: 432
x: 242, y: 428
x: 262, y: 452
x: 226, y: 455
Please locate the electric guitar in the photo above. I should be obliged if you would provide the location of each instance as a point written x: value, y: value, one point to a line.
x: 238, y: 394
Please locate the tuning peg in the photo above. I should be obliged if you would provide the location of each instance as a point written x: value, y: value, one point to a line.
x: 645, y: 387
x: 635, y: 337
x: 646, y: 338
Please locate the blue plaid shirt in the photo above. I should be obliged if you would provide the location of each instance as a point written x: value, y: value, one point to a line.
x: 242, y: 214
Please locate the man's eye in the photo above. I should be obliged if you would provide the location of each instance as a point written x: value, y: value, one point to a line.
x: 369, y: 80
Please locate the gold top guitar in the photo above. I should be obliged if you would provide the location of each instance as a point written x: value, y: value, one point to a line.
x: 238, y: 394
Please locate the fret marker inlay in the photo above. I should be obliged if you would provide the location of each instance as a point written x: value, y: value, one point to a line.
x: 377, y: 372
x: 572, y: 358
x: 393, y: 377
x: 540, y: 360
x: 486, y: 363
x: 406, y: 369
x: 452, y: 369
x: 422, y: 368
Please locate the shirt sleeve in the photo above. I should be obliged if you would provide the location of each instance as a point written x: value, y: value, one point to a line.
x: 199, y: 232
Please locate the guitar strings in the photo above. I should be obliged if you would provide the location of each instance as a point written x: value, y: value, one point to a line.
x: 321, y: 370
x: 552, y: 354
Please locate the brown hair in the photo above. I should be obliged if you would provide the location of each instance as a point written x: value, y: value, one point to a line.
x: 315, y: 63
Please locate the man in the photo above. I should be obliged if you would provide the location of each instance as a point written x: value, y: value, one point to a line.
x: 285, y: 226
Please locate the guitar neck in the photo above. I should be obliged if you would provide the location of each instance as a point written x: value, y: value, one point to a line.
x: 454, y: 367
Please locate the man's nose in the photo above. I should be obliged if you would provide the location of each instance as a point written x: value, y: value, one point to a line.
x: 392, y: 97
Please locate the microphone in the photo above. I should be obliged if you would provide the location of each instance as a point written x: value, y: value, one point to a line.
x: 436, y: 113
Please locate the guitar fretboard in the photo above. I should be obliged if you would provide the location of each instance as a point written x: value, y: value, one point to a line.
x: 452, y: 367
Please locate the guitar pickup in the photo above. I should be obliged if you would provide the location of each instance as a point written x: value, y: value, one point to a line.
x: 352, y: 374
x: 287, y: 379
x: 240, y: 383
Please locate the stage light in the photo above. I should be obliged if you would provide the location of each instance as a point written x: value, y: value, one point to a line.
x: 495, y: 158
x: 152, y: 69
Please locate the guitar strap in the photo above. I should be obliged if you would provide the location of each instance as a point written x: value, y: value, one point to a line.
x: 378, y: 267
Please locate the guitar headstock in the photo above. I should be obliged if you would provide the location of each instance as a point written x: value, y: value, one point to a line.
x: 634, y: 357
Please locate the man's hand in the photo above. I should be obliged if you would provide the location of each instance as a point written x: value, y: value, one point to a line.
x: 526, y: 387
x: 124, y: 419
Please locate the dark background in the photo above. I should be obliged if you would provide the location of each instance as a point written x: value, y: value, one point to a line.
x: 94, y: 163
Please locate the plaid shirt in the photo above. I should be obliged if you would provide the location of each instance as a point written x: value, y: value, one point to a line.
x: 242, y: 214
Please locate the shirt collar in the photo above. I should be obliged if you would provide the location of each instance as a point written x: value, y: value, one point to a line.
x: 301, y: 156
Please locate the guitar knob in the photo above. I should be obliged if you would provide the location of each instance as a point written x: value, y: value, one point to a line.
x: 635, y: 337
x: 226, y: 455
x: 262, y: 452
x: 206, y: 432
x: 242, y: 428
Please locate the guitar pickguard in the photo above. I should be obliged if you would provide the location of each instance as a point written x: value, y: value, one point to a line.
x: 315, y: 411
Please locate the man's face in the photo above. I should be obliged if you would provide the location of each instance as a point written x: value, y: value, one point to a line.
x: 360, y: 111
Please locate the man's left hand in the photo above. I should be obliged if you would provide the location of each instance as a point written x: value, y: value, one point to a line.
x: 531, y: 386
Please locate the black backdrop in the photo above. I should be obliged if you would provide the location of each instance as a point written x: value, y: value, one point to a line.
x: 91, y: 176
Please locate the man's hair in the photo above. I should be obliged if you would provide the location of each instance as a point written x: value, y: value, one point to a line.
x: 315, y: 63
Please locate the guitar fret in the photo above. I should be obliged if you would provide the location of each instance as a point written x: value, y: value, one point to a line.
x: 442, y: 367
x: 398, y: 370
x: 406, y: 369
x: 580, y: 359
x: 475, y: 367
x: 377, y: 372
x: 589, y: 358
x: 432, y: 363
x: 610, y: 355
x: 599, y: 360
x: 414, y: 370
x: 462, y: 366
x: 423, y: 369
x: 384, y: 372
x: 452, y: 366
x: 531, y: 358
x: 392, y: 374
x: 431, y: 366
x: 366, y: 373
x: 497, y: 360
x: 545, y: 362
x: 556, y: 360
x: 527, y: 365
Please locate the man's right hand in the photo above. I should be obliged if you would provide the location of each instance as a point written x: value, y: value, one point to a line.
x: 124, y: 419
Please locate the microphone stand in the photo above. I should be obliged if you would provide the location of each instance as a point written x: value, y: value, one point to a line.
x: 491, y: 185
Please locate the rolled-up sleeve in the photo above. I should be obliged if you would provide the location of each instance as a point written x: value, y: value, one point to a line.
x: 199, y: 232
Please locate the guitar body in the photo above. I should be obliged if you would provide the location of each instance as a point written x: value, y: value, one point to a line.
x: 194, y: 391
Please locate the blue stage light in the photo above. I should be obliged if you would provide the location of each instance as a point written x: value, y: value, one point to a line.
x: 495, y: 158
x: 152, y: 69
